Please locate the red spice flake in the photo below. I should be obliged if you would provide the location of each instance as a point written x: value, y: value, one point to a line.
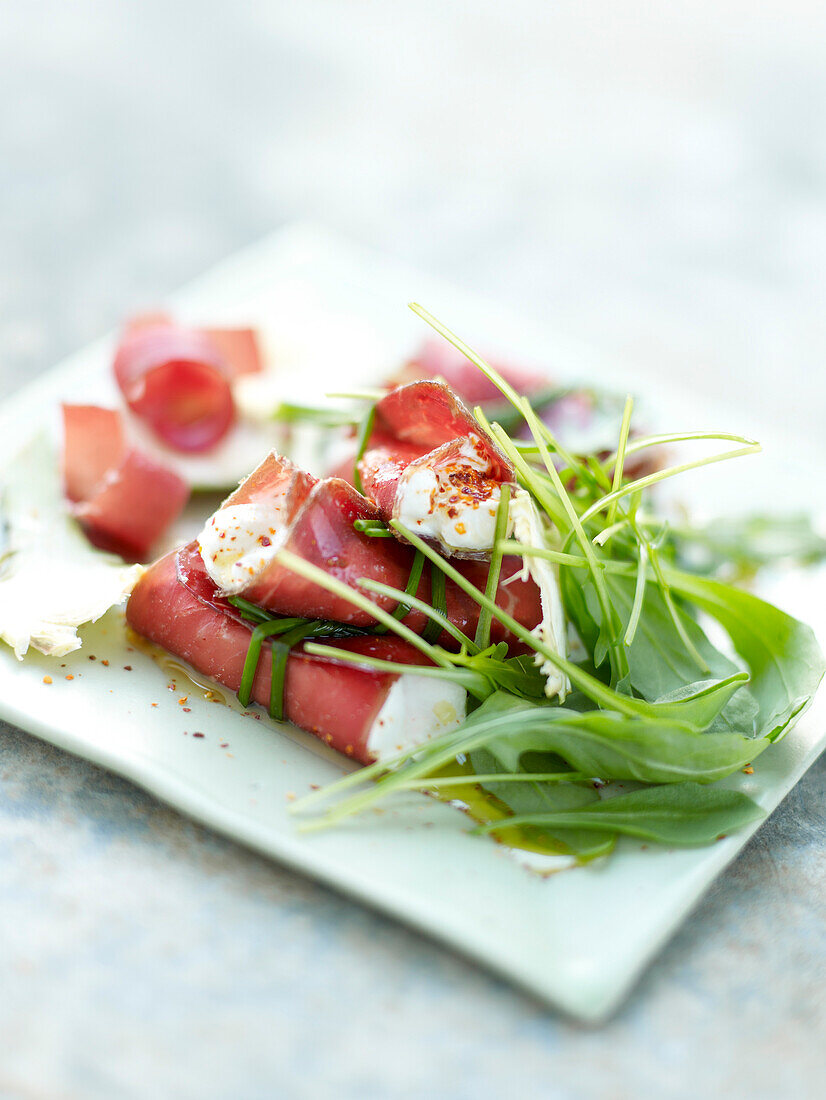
x: 69, y: 677
x: 197, y: 733
x: 187, y: 710
x: 264, y: 540
x: 153, y: 704
x: 128, y: 668
x: 471, y: 483
x: 92, y: 657
x: 224, y: 745
x: 182, y: 700
x: 748, y: 770
x: 105, y: 663
x: 47, y: 679
x: 62, y: 666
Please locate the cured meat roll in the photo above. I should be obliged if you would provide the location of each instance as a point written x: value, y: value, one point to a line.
x: 281, y: 507
x: 123, y: 499
x: 429, y: 464
x: 362, y: 712
x: 178, y: 379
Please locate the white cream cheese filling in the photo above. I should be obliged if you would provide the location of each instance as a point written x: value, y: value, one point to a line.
x: 527, y: 529
x: 435, y: 507
x: 416, y: 709
x: 238, y: 542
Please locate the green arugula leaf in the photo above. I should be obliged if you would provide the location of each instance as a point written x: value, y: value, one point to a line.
x: 530, y: 798
x: 680, y: 814
x: 658, y: 659
x: 782, y: 654
x: 613, y: 746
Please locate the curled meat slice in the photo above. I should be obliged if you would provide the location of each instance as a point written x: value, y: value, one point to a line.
x: 429, y: 464
x: 176, y: 380
x: 437, y: 359
x: 123, y: 499
x: 357, y: 710
x: 428, y: 414
x: 279, y: 507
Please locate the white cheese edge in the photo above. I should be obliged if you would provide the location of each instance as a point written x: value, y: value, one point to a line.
x: 421, y: 504
x: 239, y: 541
x: 416, y: 709
x: 527, y: 529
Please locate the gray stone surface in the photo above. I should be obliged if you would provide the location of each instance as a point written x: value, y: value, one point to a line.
x: 647, y: 177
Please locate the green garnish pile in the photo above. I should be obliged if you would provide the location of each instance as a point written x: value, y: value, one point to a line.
x: 659, y: 719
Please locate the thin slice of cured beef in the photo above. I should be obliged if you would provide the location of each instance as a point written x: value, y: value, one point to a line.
x: 123, y: 499
x: 176, y: 606
x: 429, y: 464
x: 279, y: 507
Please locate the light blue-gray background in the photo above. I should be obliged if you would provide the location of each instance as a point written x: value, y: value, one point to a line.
x: 647, y: 177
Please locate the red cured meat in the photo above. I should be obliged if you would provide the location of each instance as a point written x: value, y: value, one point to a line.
x: 320, y: 531
x: 239, y: 349
x: 175, y: 605
x: 275, y: 480
x: 567, y: 415
x: 123, y: 499
x: 439, y: 359
x: 133, y: 505
x: 176, y: 380
x: 424, y: 424
x: 93, y: 442
x: 429, y: 414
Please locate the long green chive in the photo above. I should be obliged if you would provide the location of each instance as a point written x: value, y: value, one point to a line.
x: 249, y: 610
x: 263, y: 630
x: 328, y: 418
x: 639, y: 594
x: 651, y: 479
x: 510, y: 418
x: 362, y: 439
x: 438, y: 597
x: 617, y: 654
x: 425, y: 608
x: 482, y: 638
x: 318, y: 576
x: 643, y: 442
x: 494, y: 777
x: 375, y: 528
x: 625, y: 428
x: 412, y: 586
x: 473, y: 682
x: 280, y: 654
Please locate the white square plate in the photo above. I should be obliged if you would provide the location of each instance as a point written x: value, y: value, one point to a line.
x: 579, y: 938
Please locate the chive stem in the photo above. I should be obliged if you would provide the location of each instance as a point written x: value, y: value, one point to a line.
x: 482, y: 638
x: 362, y: 440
